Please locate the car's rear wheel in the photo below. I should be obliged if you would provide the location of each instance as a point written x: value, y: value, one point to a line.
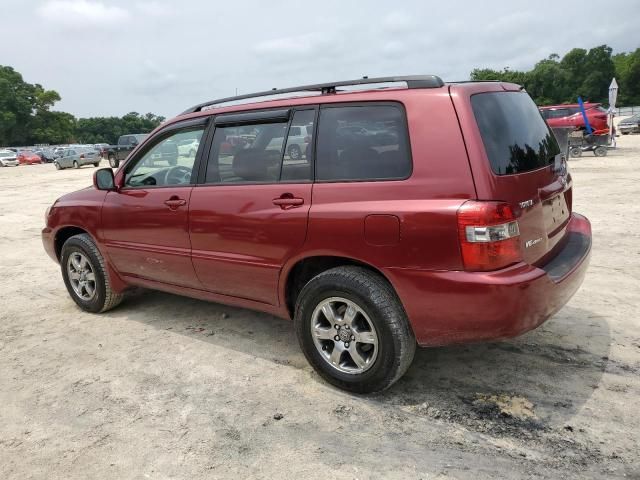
x: 75, y: 164
x: 97, y: 164
x: 85, y: 275
x: 58, y: 167
x: 353, y: 329
x: 575, y: 152
x: 294, y: 152
x: 113, y: 162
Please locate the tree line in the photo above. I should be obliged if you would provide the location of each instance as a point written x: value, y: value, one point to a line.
x: 581, y: 72
x: 26, y: 117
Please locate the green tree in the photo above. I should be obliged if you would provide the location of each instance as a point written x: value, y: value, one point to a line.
x: 627, y: 66
x: 580, y: 72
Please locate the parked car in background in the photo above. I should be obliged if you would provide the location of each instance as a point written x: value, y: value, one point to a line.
x: 8, y: 158
x: 28, y: 157
x: 427, y: 215
x: 571, y: 116
x: 126, y: 143
x: 188, y: 148
x: 101, y: 148
x: 629, y: 125
x: 46, y: 154
x: 77, y: 157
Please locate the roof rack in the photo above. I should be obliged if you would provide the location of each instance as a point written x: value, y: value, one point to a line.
x: 412, y: 81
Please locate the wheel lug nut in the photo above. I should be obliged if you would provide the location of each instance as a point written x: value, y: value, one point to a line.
x: 346, y: 344
x: 352, y: 337
x: 336, y: 338
x: 347, y: 327
x: 337, y: 327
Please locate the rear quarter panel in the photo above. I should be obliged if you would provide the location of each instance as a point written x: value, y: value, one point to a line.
x: 425, y: 204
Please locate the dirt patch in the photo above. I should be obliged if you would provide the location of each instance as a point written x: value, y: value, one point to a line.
x: 170, y: 387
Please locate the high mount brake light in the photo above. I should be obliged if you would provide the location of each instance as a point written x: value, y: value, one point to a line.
x: 489, y: 235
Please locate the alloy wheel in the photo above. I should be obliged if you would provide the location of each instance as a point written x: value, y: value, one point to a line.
x: 344, y: 335
x: 81, y: 276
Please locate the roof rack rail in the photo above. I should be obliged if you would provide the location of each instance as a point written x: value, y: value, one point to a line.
x: 412, y: 81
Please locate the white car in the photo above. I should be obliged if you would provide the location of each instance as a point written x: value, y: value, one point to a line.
x: 8, y: 158
x: 188, y: 147
x: 297, y: 142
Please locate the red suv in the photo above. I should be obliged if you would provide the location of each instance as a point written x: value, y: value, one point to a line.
x: 422, y: 213
x: 570, y: 116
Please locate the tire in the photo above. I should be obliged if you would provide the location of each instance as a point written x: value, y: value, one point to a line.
x: 75, y: 165
x: 97, y: 164
x: 294, y: 152
x: 113, y: 161
x: 575, y: 152
x: 379, y: 307
x: 103, y: 298
x: 600, y: 151
x: 625, y: 133
x: 58, y: 167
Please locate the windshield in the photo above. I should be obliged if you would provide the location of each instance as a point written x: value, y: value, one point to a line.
x: 6, y: 154
x: 515, y: 136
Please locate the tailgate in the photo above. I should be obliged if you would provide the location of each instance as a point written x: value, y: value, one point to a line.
x: 515, y: 158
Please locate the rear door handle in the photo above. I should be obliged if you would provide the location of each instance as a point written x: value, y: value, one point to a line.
x: 175, y: 202
x: 288, y: 201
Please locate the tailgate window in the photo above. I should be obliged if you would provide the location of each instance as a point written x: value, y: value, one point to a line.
x: 515, y: 136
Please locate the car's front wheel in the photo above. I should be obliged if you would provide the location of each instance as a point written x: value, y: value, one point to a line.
x: 353, y: 329
x: 57, y: 165
x: 85, y: 275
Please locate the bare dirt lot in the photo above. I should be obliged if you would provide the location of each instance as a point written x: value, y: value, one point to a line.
x: 170, y: 387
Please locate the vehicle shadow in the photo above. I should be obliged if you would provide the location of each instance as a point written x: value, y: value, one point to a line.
x: 532, y: 382
x: 555, y: 368
x: 254, y: 333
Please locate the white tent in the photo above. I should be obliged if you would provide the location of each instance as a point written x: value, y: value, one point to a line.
x: 613, y: 96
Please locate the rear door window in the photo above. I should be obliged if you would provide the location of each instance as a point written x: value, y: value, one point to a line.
x: 246, y: 153
x: 516, y: 138
x: 367, y: 142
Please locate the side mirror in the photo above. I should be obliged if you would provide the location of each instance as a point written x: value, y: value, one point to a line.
x: 103, y: 179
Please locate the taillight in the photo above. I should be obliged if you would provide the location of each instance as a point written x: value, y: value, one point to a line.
x: 489, y: 235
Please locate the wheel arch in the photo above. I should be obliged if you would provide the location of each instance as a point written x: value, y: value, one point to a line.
x: 65, y: 233
x: 300, y: 270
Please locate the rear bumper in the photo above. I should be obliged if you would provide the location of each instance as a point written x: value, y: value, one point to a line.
x: 458, y: 307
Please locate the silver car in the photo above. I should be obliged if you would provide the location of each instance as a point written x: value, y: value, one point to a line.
x: 8, y: 158
x: 76, y: 157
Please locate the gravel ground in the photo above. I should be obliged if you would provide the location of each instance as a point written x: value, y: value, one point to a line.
x: 170, y: 387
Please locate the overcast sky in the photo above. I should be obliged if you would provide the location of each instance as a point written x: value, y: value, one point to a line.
x: 110, y: 57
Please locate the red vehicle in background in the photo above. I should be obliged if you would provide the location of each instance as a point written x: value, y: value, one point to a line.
x: 570, y: 116
x: 28, y: 157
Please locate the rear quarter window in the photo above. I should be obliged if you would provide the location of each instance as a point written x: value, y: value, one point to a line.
x: 361, y: 143
x: 515, y: 137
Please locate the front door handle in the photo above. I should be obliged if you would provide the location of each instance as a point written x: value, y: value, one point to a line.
x: 287, y: 200
x: 174, y: 202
